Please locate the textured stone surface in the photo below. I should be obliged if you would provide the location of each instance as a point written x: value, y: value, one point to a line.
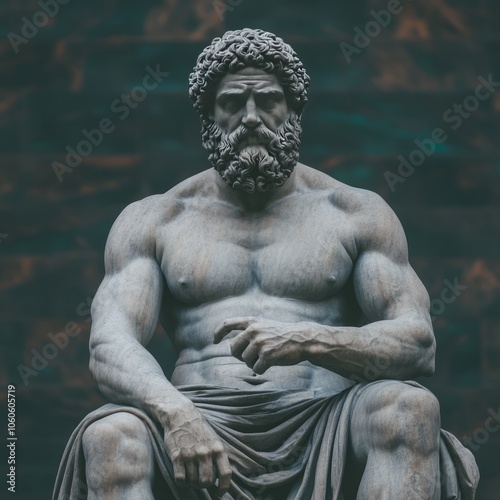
x: 394, y: 92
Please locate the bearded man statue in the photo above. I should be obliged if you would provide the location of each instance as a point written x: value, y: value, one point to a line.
x: 297, y: 320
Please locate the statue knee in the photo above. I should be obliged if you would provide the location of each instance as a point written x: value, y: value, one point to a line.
x: 407, y: 416
x: 120, y: 430
x: 117, y: 449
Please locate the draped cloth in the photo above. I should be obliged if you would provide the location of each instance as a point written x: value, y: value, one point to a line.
x: 281, y: 445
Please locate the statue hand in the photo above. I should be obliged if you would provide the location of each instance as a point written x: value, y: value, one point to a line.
x: 196, y: 452
x: 264, y: 343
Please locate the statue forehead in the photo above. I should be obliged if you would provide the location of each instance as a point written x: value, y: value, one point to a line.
x: 249, y: 77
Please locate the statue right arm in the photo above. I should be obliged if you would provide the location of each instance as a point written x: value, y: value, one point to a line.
x: 125, y: 313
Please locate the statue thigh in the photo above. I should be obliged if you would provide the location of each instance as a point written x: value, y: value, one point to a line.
x: 389, y: 416
x: 117, y: 450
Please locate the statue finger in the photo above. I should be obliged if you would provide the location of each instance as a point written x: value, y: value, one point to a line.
x: 250, y: 355
x: 261, y: 366
x: 192, y: 477
x: 224, y: 473
x: 231, y: 324
x: 238, y: 345
x: 206, y: 473
x: 179, y: 472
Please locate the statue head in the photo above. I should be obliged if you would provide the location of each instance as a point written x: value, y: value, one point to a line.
x: 265, y: 164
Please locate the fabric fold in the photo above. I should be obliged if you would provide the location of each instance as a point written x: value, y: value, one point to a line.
x: 281, y: 444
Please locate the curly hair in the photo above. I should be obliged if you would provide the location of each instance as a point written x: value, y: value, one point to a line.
x: 244, y: 48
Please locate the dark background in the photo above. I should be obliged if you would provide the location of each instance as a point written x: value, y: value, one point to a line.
x: 360, y: 117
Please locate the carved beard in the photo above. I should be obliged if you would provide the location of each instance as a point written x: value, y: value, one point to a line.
x: 254, y: 159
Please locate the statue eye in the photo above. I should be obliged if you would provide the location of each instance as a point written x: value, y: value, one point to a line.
x: 269, y: 102
x: 231, y: 104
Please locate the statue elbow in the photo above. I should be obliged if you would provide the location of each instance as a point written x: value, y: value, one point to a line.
x: 428, y: 361
x: 428, y: 369
x: 424, y: 355
x: 95, y: 358
x: 92, y: 366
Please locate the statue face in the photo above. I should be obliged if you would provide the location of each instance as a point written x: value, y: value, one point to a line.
x: 252, y: 98
x: 254, y: 136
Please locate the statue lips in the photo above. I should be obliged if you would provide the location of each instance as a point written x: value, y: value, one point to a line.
x: 251, y: 140
x: 245, y: 136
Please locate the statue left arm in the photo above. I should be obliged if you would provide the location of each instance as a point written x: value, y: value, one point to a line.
x: 399, y: 339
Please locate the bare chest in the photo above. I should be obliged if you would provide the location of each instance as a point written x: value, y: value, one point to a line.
x: 296, y: 253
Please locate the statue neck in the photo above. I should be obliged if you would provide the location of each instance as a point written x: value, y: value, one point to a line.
x: 253, y: 202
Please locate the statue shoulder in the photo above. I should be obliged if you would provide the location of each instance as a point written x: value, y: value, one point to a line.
x: 198, y: 185
x: 355, y: 201
x: 375, y: 223
x: 311, y: 179
x: 140, y: 222
x: 360, y: 202
x: 162, y: 208
x: 134, y: 229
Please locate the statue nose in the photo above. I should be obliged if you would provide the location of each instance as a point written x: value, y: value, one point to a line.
x: 251, y: 118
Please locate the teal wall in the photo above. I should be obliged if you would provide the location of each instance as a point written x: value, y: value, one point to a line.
x: 361, y: 116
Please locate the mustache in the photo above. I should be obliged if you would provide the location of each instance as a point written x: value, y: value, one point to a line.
x: 263, y: 164
x: 262, y: 134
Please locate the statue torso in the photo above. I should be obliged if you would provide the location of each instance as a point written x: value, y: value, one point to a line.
x: 291, y: 262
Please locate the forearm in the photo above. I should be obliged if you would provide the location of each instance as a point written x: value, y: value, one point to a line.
x: 127, y: 373
x: 389, y: 349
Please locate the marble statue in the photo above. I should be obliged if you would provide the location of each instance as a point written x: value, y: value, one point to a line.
x: 281, y: 289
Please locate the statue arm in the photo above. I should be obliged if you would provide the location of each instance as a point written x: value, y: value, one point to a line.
x: 398, y: 340
x: 125, y: 313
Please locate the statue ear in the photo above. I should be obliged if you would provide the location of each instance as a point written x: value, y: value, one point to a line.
x: 211, y: 112
x: 293, y: 108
